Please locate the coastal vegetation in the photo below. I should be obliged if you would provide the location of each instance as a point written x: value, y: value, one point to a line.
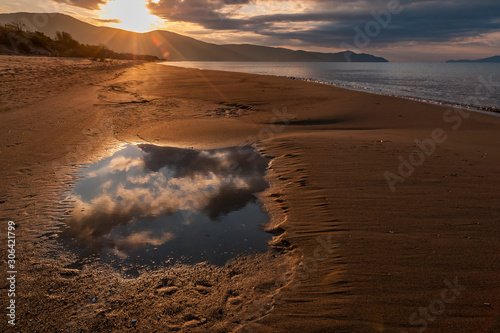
x: 16, y: 40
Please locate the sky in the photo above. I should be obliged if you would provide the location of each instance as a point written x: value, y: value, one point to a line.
x: 399, y: 30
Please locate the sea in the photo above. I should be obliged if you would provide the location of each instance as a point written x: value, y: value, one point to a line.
x: 473, y: 86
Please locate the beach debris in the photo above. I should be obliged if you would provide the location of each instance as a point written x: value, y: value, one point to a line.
x: 69, y: 273
x: 202, y: 289
x: 235, y: 300
x: 194, y: 322
x: 167, y: 290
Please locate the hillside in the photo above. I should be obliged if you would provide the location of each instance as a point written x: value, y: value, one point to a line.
x: 16, y: 40
x: 490, y: 59
x: 172, y: 46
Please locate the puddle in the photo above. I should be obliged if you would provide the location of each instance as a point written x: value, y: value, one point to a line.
x: 150, y: 206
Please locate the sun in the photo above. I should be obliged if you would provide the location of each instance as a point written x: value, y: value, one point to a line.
x: 132, y: 14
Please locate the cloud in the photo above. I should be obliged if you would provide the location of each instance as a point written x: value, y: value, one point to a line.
x: 87, y: 4
x: 325, y: 25
x: 127, y: 189
x: 329, y: 23
x: 142, y: 238
x: 186, y: 163
x: 203, y: 12
x: 107, y: 20
x: 124, y: 164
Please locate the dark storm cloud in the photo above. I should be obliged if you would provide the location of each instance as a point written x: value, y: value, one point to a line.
x: 87, y: 4
x: 203, y: 12
x: 328, y: 23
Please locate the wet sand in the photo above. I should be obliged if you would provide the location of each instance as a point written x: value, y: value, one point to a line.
x: 349, y: 255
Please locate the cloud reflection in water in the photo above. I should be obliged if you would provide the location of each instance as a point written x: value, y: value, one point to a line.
x: 147, y: 203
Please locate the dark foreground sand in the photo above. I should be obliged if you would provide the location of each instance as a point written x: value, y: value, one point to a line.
x: 350, y: 254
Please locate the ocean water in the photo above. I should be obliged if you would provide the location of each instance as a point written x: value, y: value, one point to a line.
x: 473, y: 86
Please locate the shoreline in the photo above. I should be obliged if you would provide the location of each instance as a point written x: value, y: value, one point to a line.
x: 489, y: 110
x: 494, y: 111
x: 353, y: 256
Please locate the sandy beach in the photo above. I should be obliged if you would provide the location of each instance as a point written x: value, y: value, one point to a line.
x: 385, y: 211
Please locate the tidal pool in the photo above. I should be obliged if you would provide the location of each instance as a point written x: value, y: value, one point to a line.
x: 150, y: 206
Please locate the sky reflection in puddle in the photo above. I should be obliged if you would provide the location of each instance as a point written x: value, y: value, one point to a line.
x: 149, y: 206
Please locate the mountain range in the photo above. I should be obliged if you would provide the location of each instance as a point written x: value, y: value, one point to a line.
x: 490, y: 59
x: 171, y: 46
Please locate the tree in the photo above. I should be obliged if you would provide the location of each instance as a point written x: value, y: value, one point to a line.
x: 15, y: 26
x: 65, y: 41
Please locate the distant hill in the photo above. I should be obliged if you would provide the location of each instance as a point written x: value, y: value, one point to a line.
x: 265, y: 53
x: 490, y: 59
x: 172, y: 46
